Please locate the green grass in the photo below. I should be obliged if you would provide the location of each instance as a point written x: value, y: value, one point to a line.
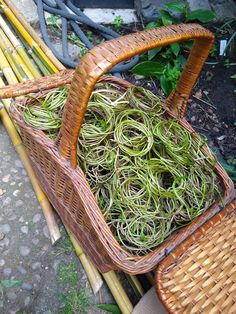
x: 67, y: 273
x: 31, y: 225
x: 64, y: 246
x: 76, y: 301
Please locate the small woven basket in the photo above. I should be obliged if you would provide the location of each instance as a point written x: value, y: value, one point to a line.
x: 200, y: 275
x: 55, y: 162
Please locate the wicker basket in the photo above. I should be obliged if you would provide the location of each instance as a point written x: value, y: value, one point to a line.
x: 200, y: 275
x: 55, y: 163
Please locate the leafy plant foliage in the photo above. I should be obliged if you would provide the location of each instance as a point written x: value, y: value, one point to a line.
x: 166, y: 63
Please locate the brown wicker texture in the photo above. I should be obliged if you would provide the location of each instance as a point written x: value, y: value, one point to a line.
x: 55, y: 163
x: 200, y: 275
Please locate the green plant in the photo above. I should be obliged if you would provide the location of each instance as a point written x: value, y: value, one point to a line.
x: 227, y: 30
x: 64, y: 246
x: 227, y: 63
x: 31, y: 225
x: 166, y: 63
x: 214, y: 50
x: 118, y: 22
x: 76, y: 301
x: 234, y: 77
x: 89, y: 34
x: 110, y: 308
x: 67, y: 273
x: 230, y: 168
x: 53, y: 21
x: 9, y: 283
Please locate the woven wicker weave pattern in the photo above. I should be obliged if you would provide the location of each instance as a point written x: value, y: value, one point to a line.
x: 55, y: 163
x: 200, y: 275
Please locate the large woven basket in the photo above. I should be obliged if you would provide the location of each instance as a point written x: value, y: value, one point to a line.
x: 55, y: 162
x: 200, y: 275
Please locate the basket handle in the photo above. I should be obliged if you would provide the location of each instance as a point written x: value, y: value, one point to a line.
x: 103, y: 57
x: 37, y: 85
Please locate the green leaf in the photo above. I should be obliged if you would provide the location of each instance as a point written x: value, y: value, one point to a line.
x: 230, y: 169
x: 176, y: 6
x: 166, y: 85
x: 152, y: 53
x: 233, y: 76
x: 151, y: 25
x: 203, y: 16
x: 181, y: 60
x: 111, y: 308
x: 175, y: 47
x: 188, y: 44
x: 166, y: 18
x: 11, y: 283
x: 148, y: 68
x: 52, y: 20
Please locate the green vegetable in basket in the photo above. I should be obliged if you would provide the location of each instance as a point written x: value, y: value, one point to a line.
x: 147, y: 172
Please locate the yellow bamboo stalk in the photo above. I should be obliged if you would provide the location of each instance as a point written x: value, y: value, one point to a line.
x: 137, y: 285
x: 118, y: 292
x: 31, y: 32
x: 46, y: 207
x: 91, y: 271
x: 16, y: 140
x: 5, y: 42
x: 18, y: 46
x: 18, y: 145
x: 14, y: 60
x: 26, y: 36
x: 7, y: 70
x: 10, y: 59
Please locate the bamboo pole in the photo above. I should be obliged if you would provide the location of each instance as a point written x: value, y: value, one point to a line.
x: 19, y: 48
x: 15, y: 61
x: 17, y: 143
x: 27, y: 36
x: 135, y: 283
x: 9, y: 57
x: 19, y: 60
x: 44, y: 68
x: 91, y: 271
x: 7, y: 70
x: 42, y: 199
x: 10, y: 9
x: 118, y: 292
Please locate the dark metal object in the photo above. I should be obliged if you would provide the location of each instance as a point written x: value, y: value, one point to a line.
x: 121, y: 4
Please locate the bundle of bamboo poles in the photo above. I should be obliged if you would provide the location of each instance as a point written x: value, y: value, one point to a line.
x: 24, y: 56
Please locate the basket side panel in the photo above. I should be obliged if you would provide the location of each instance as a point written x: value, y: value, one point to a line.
x: 66, y: 199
